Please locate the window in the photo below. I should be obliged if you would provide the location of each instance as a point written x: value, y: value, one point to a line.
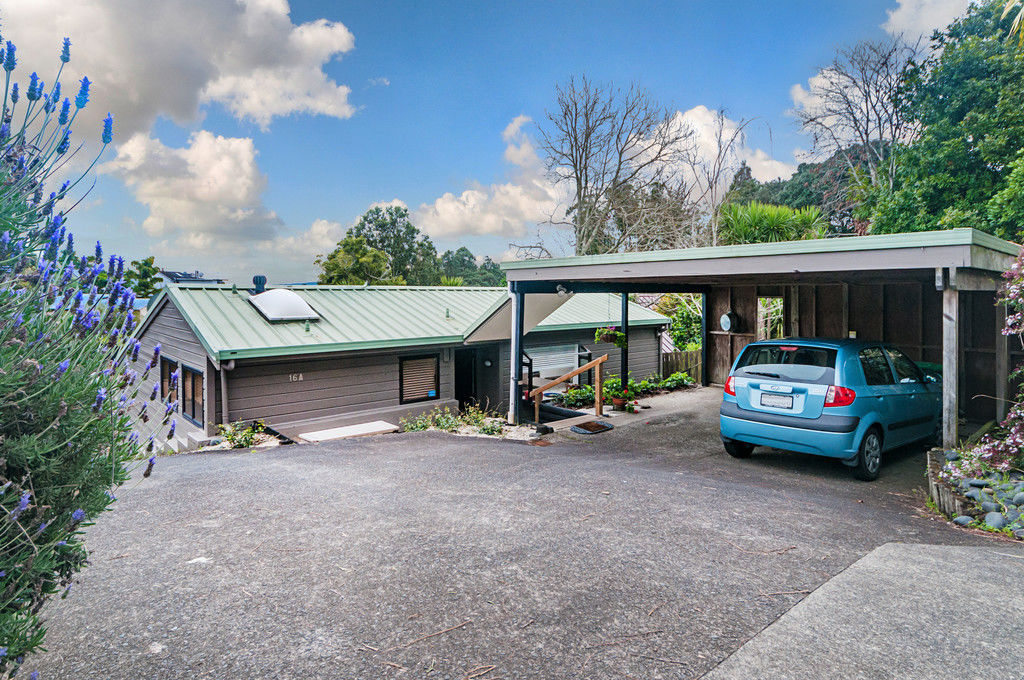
x: 797, y: 363
x: 167, y: 366
x: 770, y: 318
x: 418, y: 378
x: 876, y: 368
x: 906, y: 370
x: 192, y: 394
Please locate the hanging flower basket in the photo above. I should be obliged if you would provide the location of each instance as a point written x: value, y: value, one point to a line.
x: 611, y: 336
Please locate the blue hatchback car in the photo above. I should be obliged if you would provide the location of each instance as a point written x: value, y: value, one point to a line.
x: 845, y: 399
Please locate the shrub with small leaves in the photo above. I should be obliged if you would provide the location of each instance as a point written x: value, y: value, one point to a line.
x: 242, y: 435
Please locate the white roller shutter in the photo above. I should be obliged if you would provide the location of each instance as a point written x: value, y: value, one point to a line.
x: 553, y: 361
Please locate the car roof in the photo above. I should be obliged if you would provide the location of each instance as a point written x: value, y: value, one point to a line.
x: 831, y: 343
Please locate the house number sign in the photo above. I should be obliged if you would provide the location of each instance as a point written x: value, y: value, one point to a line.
x: 295, y: 377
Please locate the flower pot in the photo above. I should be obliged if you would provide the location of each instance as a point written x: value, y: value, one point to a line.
x: 608, y: 337
x: 618, y: 403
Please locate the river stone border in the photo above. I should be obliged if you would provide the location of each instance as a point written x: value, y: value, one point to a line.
x: 995, y: 502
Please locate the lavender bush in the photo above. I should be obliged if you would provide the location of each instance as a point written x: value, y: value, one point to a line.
x: 69, y: 368
x: 1002, y: 451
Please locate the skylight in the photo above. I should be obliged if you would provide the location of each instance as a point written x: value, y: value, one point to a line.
x: 281, y: 304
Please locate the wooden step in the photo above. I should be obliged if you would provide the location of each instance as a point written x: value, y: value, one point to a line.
x: 569, y: 422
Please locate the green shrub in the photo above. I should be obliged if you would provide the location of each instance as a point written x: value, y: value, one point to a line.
x: 492, y: 427
x: 68, y: 380
x: 240, y: 435
x: 448, y: 420
x: 676, y: 381
x: 578, y: 396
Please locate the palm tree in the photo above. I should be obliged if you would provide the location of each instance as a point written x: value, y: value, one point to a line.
x: 1018, y: 23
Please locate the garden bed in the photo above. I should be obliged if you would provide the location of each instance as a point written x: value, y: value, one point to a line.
x: 993, y: 502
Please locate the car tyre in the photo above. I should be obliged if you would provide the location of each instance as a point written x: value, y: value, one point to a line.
x: 869, y: 456
x: 738, y: 449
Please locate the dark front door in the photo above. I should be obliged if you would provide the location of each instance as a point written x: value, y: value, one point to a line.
x: 465, y: 376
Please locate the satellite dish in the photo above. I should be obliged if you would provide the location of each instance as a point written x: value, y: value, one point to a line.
x: 729, y: 322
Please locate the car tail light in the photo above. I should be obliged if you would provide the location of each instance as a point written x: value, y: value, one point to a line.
x: 730, y: 388
x: 839, y: 396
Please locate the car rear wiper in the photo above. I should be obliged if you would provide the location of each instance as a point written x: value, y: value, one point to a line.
x: 767, y: 375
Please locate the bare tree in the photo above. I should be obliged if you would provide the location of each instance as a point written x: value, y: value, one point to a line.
x: 855, y: 107
x: 614, y: 147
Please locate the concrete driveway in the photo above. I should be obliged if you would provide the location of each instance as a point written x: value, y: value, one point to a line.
x: 644, y: 552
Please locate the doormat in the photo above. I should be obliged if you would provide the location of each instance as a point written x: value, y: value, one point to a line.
x: 538, y: 442
x: 592, y: 427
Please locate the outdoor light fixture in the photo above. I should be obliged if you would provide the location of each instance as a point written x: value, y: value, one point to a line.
x: 487, y: 363
x: 562, y: 292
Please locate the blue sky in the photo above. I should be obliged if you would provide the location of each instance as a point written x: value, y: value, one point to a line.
x: 241, y: 155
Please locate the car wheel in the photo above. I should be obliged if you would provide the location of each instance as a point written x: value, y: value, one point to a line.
x: 738, y: 449
x: 869, y: 457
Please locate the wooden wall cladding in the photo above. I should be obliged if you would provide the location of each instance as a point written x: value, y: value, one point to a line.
x: 865, y: 302
x: 829, y: 312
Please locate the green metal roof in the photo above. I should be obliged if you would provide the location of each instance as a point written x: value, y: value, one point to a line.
x: 368, y: 317
x: 921, y: 239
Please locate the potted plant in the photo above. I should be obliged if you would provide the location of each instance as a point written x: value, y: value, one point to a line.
x: 619, y: 400
x: 610, y: 335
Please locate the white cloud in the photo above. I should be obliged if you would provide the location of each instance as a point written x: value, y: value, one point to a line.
x: 704, y: 124
x: 914, y: 18
x: 506, y: 209
x: 380, y: 81
x: 167, y: 58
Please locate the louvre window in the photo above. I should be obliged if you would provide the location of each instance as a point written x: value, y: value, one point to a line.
x: 419, y: 378
x: 192, y: 394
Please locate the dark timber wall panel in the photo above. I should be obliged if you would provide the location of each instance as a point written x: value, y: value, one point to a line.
x: 285, y: 390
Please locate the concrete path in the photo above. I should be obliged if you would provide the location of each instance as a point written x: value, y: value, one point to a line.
x: 902, y: 611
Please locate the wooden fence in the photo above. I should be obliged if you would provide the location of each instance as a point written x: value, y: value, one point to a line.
x: 688, y: 362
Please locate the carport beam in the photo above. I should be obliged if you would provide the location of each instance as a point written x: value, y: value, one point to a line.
x: 950, y: 363
x: 624, y: 353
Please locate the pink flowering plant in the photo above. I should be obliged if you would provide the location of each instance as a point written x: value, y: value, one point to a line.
x: 1000, y: 452
x: 69, y: 364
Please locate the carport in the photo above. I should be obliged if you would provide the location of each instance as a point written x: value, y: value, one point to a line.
x: 934, y: 294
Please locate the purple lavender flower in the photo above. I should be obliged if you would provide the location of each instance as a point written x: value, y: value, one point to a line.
x: 152, y: 460
x: 34, y: 675
x: 101, y: 395
x: 170, y: 430
x: 62, y: 367
x: 65, y: 112
x: 78, y: 515
x: 155, y: 393
x: 15, y: 95
x: 64, y: 145
x: 3, y: 652
x: 10, y: 60
x: 34, y: 88
x: 136, y: 346
x: 83, y: 94
x: 65, y: 52
x: 108, y: 129
x: 156, y: 353
x: 55, y: 94
x: 22, y: 506
x: 99, y: 251
x: 173, y: 382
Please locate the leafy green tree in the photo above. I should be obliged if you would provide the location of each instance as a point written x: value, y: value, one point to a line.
x: 355, y: 263
x: 968, y: 98
x: 684, y: 309
x: 411, y: 254
x: 459, y: 262
x: 489, y: 274
x: 143, y: 277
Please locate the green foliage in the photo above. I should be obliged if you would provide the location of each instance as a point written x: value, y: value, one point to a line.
x: 677, y: 381
x: 241, y: 435
x: 410, y: 254
x: 462, y: 263
x: 761, y: 223
x: 577, y: 396
x: 453, y: 281
x: 960, y: 171
x: 355, y: 263
x: 447, y: 420
x: 143, y: 276
x: 684, y: 309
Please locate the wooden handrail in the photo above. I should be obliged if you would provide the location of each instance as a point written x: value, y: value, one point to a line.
x: 571, y: 374
x: 596, y: 363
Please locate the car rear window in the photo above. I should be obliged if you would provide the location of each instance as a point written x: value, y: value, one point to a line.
x: 793, y: 363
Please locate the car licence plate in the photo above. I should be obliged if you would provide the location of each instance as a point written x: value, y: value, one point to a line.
x: 777, y: 400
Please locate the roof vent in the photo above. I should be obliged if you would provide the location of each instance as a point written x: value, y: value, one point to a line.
x: 281, y: 304
x: 259, y: 283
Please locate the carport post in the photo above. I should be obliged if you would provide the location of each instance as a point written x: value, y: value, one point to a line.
x: 1002, y: 363
x: 946, y: 280
x: 624, y: 361
x: 704, y: 381
x: 516, y: 368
